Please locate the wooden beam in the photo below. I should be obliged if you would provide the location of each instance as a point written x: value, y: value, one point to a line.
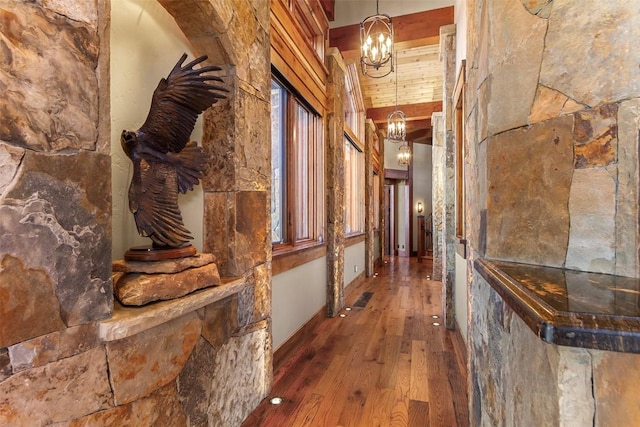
x: 419, y: 133
x: 329, y: 8
x: 406, y: 28
x: 396, y: 174
x: 412, y: 111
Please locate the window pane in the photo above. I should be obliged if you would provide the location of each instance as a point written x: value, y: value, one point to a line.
x: 297, y: 191
x: 353, y: 188
x: 347, y: 186
x: 278, y: 179
x: 301, y: 141
x: 376, y: 201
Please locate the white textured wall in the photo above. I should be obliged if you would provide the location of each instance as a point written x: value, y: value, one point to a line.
x: 401, y: 217
x: 353, y: 262
x: 391, y: 155
x: 460, y: 299
x: 145, y: 45
x: 422, y: 184
x: 297, y: 295
x: 460, y: 19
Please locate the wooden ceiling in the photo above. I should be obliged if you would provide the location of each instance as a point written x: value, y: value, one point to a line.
x: 418, y: 71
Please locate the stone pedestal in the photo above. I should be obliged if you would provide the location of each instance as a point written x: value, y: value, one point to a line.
x: 139, y: 283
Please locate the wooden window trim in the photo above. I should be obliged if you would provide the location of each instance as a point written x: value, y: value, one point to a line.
x: 354, y: 239
x: 459, y: 114
x: 287, y: 258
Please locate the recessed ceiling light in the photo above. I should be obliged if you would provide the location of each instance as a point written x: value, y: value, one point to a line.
x: 435, y: 316
x: 343, y: 315
x: 348, y: 308
x: 436, y: 324
x: 276, y: 400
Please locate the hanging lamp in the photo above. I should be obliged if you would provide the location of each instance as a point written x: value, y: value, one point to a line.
x: 404, y: 154
x: 396, y: 122
x: 376, y: 42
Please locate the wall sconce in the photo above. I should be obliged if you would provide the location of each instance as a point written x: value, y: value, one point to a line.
x: 420, y: 207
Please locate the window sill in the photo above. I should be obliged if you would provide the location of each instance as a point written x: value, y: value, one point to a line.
x: 129, y: 321
x: 353, y: 239
x: 288, y: 257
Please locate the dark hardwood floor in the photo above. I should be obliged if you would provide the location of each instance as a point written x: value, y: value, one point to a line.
x: 384, y: 364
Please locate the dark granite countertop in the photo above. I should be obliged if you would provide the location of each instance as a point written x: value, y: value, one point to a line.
x: 569, y: 307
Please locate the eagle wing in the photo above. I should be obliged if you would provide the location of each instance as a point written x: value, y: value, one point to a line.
x: 176, y: 104
x: 153, y: 200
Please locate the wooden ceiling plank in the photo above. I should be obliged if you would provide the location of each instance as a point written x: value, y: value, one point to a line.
x: 420, y: 25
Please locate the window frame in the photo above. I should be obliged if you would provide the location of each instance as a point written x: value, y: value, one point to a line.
x: 357, y: 188
x: 313, y: 165
x: 460, y: 156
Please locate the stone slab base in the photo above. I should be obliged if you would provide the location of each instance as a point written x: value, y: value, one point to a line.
x: 142, y: 288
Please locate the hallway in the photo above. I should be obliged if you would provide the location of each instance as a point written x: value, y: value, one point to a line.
x: 384, y: 364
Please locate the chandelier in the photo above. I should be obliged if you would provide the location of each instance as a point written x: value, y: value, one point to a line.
x: 376, y: 41
x: 404, y: 154
x: 396, y: 122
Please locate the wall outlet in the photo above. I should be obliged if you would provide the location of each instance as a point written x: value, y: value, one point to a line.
x: 355, y: 268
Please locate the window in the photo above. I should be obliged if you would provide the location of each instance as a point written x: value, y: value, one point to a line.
x: 354, y: 110
x: 458, y: 100
x: 278, y: 164
x: 376, y: 200
x: 297, y: 166
x: 353, y: 187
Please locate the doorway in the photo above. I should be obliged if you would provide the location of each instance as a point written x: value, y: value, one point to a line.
x: 396, y: 218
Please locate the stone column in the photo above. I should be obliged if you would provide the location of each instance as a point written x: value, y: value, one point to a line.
x: 448, y: 55
x: 382, y: 236
x: 439, y: 164
x: 369, y: 249
x: 334, y: 176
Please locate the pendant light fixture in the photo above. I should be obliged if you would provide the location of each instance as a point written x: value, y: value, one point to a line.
x: 404, y: 154
x: 396, y: 122
x: 376, y: 44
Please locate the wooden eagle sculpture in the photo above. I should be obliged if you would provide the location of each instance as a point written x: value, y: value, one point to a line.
x: 165, y: 161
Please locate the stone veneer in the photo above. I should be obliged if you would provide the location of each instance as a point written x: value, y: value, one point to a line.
x: 517, y: 379
x: 438, y: 195
x: 209, y: 362
x: 334, y: 161
x: 448, y: 193
x: 551, y: 179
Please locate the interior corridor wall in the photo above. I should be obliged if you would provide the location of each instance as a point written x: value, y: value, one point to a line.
x: 422, y: 186
x: 297, y: 295
x: 460, y: 295
x: 146, y: 43
x: 354, y: 262
x: 401, y: 216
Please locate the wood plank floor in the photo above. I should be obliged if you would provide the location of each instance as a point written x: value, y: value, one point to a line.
x: 384, y: 364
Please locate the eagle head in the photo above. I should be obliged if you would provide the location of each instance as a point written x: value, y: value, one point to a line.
x: 128, y: 140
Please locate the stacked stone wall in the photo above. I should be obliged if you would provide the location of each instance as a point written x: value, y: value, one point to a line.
x: 552, y: 119
x: 210, y: 365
